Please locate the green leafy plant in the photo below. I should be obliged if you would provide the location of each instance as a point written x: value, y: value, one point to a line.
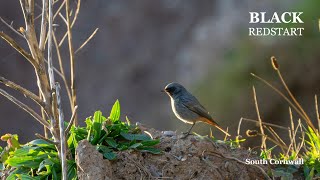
x: 312, y: 155
x: 39, y: 159
x: 111, y: 135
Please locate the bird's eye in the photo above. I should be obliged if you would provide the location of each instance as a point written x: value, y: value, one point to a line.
x: 169, y: 89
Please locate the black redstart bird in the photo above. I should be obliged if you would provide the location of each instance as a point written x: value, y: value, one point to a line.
x: 187, y: 108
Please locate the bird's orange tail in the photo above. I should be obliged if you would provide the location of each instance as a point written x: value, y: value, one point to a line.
x: 212, y: 123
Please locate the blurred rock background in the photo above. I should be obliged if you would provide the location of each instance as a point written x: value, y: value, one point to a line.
x: 143, y: 45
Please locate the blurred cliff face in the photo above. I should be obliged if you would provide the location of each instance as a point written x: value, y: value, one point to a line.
x: 143, y: 45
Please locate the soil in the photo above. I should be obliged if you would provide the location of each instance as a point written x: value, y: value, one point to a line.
x: 190, y: 158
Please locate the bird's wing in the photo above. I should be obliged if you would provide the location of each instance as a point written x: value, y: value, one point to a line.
x: 198, y: 108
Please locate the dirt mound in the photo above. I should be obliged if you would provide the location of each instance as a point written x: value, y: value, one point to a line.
x: 190, y: 158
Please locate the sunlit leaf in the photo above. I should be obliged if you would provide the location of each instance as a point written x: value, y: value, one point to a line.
x: 115, y: 112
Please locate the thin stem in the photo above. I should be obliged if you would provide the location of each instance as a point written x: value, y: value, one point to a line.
x: 18, y: 48
x: 23, y: 8
x: 71, y: 54
x: 43, y: 114
x: 44, y: 21
x: 45, y: 138
x: 22, y: 90
x: 12, y: 28
x: 263, y: 144
x: 281, y: 94
x: 73, y: 21
x: 63, y: 76
x: 275, y: 140
x: 71, y: 120
x: 59, y: 9
x: 295, y: 101
x: 86, y: 41
x: 63, y: 148
x: 50, y: 30
x: 265, y: 123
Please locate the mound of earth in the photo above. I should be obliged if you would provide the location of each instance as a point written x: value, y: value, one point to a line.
x: 190, y: 158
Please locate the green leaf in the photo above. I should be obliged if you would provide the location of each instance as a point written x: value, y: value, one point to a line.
x: 103, y: 149
x: 151, y: 142
x: 131, y: 137
x: 26, y: 161
x: 311, y: 174
x: 24, y: 177
x: 97, y: 117
x: 115, y: 112
x: 40, y: 143
x: 133, y: 146
x: 1, y: 167
x: 24, y: 151
x: 122, y: 147
x: 96, y: 132
x: 110, y: 155
x: 54, y: 174
x: 111, y: 142
x: 44, y: 163
x: 88, y: 122
x: 89, y: 128
x: 11, y: 177
x: 72, y: 170
x: 150, y: 150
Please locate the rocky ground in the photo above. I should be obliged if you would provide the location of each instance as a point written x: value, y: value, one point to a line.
x: 190, y: 158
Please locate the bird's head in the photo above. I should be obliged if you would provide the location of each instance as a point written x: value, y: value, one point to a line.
x: 174, y: 89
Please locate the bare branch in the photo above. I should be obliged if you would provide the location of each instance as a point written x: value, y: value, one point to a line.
x: 73, y: 21
x: 55, y: 69
x: 63, y: 146
x: 18, y: 48
x: 64, y: 20
x: 59, y: 9
x: 44, y: 21
x: 31, y: 11
x: 77, y: 13
x: 22, y: 90
x: 86, y: 41
x: 71, y: 120
x: 63, y: 76
x: 71, y: 54
x: 44, y: 116
x: 46, y: 139
x: 12, y: 28
x: 263, y: 144
x: 50, y: 30
x: 25, y: 108
x: 265, y: 123
x: 23, y: 8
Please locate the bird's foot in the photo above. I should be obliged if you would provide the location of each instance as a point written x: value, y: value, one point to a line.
x: 185, y: 135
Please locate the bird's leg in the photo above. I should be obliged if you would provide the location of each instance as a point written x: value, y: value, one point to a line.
x: 186, y: 134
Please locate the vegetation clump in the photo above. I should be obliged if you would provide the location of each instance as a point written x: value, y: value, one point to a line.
x: 39, y: 158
